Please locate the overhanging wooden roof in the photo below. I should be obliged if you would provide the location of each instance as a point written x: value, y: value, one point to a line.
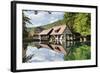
x: 46, y: 32
x: 58, y: 30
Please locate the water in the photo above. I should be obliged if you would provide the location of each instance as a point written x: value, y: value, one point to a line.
x: 44, y: 51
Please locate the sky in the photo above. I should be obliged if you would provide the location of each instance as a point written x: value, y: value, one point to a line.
x: 42, y: 18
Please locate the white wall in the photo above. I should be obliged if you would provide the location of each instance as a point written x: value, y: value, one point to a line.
x: 5, y: 36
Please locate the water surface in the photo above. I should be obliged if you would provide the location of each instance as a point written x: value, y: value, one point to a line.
x: 61, y: 51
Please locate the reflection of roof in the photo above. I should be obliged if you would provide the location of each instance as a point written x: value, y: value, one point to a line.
x: 57, y: 30
x: 45, y: 32
x: 59, y: 48
x: 44, y: 45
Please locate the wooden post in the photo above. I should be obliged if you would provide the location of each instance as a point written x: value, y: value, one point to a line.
x: 84, y: 38
x: 81, y: 39
x: 67, y: 37
x: 71, y: 37
x: 40, y: 37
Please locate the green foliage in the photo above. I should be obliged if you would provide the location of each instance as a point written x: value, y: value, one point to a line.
x: 69, y: 18
x: 78, y: 22
x: 82, y: 24
x: 79, y: 53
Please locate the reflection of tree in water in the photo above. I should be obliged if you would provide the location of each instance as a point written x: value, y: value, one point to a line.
x: 25, y: 59
x: 81, y: 51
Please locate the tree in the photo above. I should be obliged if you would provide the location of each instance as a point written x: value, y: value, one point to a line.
x: 24, y: 22
x: 78, y: 23
x: 83, y: 24
x: 69, y: 18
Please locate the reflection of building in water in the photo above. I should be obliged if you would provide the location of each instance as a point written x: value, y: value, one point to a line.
x: 63, y: 48
x: 60, y: 48
x: 44, y: 46
x: 57, y: 48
